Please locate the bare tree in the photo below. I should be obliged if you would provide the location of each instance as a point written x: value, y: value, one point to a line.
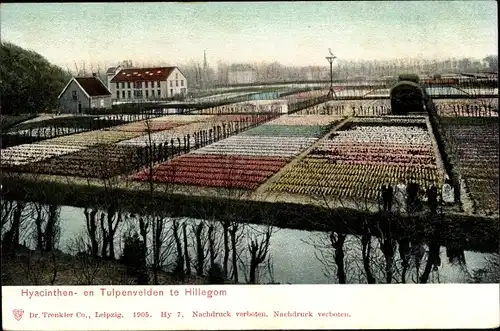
x: 258, y: 249
x: 47, y: 226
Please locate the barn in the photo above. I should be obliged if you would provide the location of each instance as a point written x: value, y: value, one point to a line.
x: 82, y: 94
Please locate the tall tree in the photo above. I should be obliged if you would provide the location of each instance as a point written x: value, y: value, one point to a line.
x: 28, y: 82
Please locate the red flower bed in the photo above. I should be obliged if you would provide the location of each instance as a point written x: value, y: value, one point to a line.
x: 245, y: 172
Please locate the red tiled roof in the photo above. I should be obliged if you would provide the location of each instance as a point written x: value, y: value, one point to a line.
x: 93, y: 86
x: 142, y: 74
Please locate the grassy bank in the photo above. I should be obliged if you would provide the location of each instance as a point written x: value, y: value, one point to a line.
x: 28, y: 267
x: 472, y: 232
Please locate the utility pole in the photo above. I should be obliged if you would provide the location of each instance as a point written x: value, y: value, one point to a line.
x: 330, y: 60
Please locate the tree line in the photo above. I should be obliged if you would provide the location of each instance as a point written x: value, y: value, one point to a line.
x: 28, y: 82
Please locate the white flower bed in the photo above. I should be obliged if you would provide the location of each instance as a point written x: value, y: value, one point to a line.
x: 44, y: 131
x: 321, y: 120
x: 183, y: 118
x: 385, y: 135
x: 391, y: 119
x: 29, y: 153
x: 258, y: 146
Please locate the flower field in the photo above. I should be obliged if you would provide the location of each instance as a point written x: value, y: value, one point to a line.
x: 91, y: 138
x: 183, y: 118
x: 29, y: 153
x: 310, y: 126
x: 230, y: 123
x: 306, y: 95
x: 242, y: 172
x: 174, y: 133
x: 246, y: 107
x: 356, y: 160
x: 348, y: 108
x: 481, y: 107
x: 46, y: 132
x: 258, y: 146
x: 474, y: 142
x: 311, y: 131
x: 103, y: 161
x: 321, y: 120
x: 145, y: 126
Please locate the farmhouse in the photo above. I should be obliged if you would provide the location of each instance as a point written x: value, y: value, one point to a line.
x: 147, y: 83
x: 84, y: 93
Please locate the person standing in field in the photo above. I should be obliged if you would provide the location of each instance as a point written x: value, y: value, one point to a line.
x: 448, y: 191
x: 400, y: 196
x: 389, y: 194
x: 432, y: 195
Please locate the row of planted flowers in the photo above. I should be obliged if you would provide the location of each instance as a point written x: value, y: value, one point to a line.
x: 475, y: 152
x: 476, y: 107
x: 99, y: 155
x: 257, y: 145
x: 355, y: 162
x: 244, y: 161
x: 24, y: 154
x: 349, y: 108
x: 222, y: 171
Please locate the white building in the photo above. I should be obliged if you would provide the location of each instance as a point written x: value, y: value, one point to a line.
x: 110, y: 73
x: 82, y: 94
x: 146, y: 83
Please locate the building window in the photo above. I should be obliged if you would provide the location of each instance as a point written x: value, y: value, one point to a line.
x: 158, y: 84
x: 118, y: 94
x: 152, y: 93
x: 176, y: 83
x: 123, y: 85
x: 102, y: 103
x: 176, y: 75
x: 128, y: 84
x: 171, y: 92
x: 117, y: 86
x: 182, y: 82
x: 147, y: 94
x: 171, y: 83
x: 123, y: 94
x: 74, y: 95
x: 159, y: 92
x: 130, y: 94
x: 139, y: 93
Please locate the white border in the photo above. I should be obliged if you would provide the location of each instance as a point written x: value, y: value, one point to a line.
x: 346, y: 307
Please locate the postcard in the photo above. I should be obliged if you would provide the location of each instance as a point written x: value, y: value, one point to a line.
x: 249, y: 165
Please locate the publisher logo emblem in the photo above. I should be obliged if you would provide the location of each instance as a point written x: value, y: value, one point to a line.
x: 18, y: 314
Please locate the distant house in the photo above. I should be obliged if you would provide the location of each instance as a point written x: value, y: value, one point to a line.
x: 241, y: 74
x: 110, y: 73
x: 84, y: 93
x: 131, y: 84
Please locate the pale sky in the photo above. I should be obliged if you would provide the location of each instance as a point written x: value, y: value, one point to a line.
x: 292, y: 33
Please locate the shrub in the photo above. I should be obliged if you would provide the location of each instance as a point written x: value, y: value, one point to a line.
x: 134, y: 258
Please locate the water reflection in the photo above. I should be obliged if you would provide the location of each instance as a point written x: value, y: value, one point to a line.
x: 194, y: 249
